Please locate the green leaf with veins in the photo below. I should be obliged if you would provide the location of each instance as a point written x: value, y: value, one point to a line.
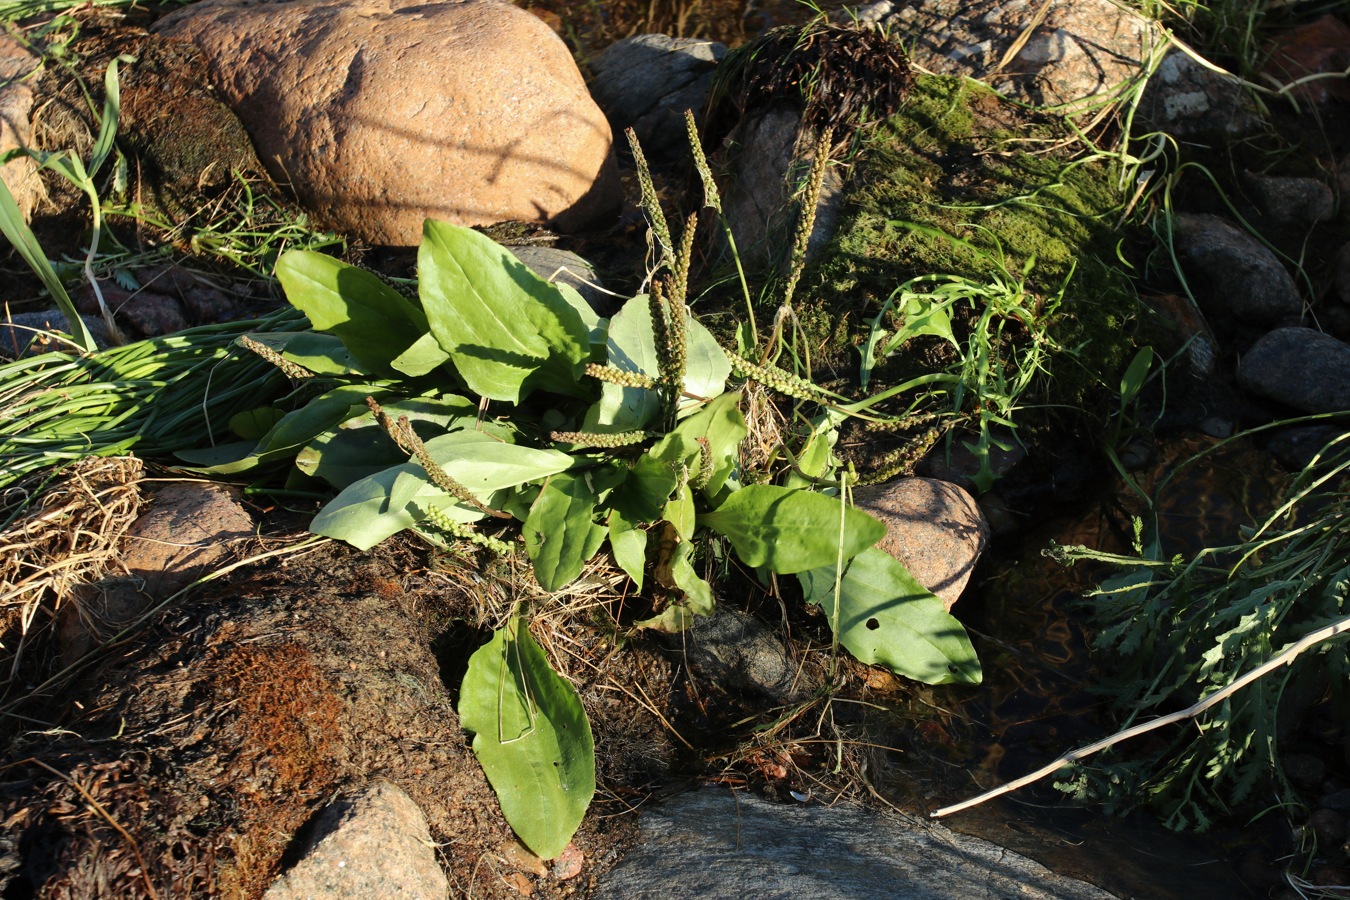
x: 791, y: 530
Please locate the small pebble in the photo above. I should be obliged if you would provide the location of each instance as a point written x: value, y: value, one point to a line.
x: 1330, y: 827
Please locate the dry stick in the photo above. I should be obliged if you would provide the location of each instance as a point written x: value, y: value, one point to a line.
x: 1339, y: 627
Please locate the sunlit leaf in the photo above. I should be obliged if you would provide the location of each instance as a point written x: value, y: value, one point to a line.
x: 885, y: 617
x: 791, y: 530
x: 532, y: 738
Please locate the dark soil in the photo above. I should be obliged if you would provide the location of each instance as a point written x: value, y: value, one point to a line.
x: 189, y: 759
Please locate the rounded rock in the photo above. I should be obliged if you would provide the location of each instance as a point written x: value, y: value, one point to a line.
x: 1299, y: 367
x: 934, y: 527
x: 1237, y: 274
x: 382, y: 113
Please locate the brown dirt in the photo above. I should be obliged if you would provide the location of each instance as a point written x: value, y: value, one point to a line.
x: 185, y: 764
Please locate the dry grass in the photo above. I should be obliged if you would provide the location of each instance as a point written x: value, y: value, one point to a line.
x: 59, y: 534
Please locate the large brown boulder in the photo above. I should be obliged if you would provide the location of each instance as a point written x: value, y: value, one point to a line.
x: 380, y: 113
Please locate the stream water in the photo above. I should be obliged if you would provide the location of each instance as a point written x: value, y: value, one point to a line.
x: 1028, y: 618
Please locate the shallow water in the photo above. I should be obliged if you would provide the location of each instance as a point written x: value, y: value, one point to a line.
x: 1027, y: 618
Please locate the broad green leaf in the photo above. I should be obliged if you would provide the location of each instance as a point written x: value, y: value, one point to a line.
x: 722, y: 425
x: 706, y: 367
x: 422, y: 357
x: 375, y: 322
x: 628, y: 543
x: 219, y: 455
x: 597, y: 326
x: 680, y: 513
x: 814, y: 460
x: 887, y: 618
x: 531, y: 737
x: 322, y: 354
x: 485, y: 464
x: 630, y: 346
x: 697, y: 597
x: 295, y: 429
x: 252, y: 424
x: 791, y: 530
x: 362, y: 513
x: 642, y: 496
x: 501, y: 323
x: 359, y: 447
x: 560, y: 532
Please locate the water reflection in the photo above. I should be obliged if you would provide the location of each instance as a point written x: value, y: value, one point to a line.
x: 1028, y: 621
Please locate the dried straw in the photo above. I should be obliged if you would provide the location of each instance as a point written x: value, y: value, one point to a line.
x: 62, y: 534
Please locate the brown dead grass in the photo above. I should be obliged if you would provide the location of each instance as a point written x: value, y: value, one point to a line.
x: 57, y: 535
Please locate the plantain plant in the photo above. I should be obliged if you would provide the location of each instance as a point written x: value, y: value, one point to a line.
x: 623, y: 432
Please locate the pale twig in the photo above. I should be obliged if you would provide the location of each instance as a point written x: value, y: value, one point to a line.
x: 1284, y: 657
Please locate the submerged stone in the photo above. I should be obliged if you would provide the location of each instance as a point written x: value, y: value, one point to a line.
x: 719, y: 844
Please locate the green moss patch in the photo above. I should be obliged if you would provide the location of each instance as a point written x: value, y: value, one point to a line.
x: 961, y: 183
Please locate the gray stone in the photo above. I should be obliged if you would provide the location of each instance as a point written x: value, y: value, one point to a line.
x: 1296, y: 446
x: 16, y: 102
x: 27, y: 334
x: 1232, y: 273
x: 647, y: 81
x: 1292, y: 202
x: 766, y: 160
x: 1341, y: 277
x: 934, y: 527
x: 1078, y: 49
x: 374, y: 843
x: 715, y: 844
x: 566, y: 267
x: 736, y: 651
x: 1299, y: 367
x: 1188, y: 100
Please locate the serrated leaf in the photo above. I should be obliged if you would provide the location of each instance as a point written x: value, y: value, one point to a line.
x: 560, y: 532
x: 885, y: 617
x: 531, y: 737
x: 791, y: 530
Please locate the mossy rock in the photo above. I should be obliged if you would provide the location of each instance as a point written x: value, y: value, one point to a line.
x: 186, y: 150
x: 963, y: 183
